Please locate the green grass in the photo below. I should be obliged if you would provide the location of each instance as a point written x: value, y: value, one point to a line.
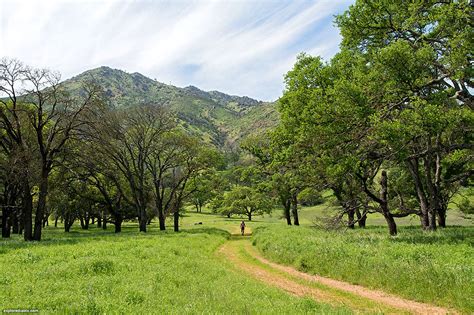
x: 158, y: 272
x: 96, y: 271
x: 431, y: 267
x: 354, y: 302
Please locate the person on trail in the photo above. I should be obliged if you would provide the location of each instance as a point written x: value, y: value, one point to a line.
x: 242, y: 227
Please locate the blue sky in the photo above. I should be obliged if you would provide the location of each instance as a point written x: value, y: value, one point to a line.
x: 238, y: 47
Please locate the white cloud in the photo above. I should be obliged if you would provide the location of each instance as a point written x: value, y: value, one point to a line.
x: 238, y: 47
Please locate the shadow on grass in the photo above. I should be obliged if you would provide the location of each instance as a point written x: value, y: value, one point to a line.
x: 189, y: 214
x: 57, y: 236
x: 451, y: 235
x: 224, y: 218
x: 15, y: 244
x: 210, y: 231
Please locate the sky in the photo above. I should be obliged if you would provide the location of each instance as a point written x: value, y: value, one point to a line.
x: 240, y: 47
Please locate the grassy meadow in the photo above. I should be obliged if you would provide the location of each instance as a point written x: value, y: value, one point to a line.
x: 437, y: 268
x: 97, y: 271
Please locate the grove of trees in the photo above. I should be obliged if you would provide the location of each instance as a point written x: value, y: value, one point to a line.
x: 386, y: 125
x: 102, y: 163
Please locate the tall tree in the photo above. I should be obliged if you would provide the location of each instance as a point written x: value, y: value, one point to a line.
x: 56, y: 117
x: 246, y: 201
x: 128, y: 138
x: 421, y: 55
x: 281, y: 170
x: 12, y: 117
x: 176, y: 160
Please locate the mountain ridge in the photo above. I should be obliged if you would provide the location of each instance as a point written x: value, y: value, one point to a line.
x: 214, y: 116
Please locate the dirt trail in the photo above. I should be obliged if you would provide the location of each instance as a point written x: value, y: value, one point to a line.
x: 240, y: 252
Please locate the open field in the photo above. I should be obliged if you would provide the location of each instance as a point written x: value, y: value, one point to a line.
x: 95, y: 271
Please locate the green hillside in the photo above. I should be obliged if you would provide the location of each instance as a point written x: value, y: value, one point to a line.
x: 214, y: 116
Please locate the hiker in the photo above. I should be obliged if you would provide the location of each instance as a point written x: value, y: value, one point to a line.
x: 242, y: 227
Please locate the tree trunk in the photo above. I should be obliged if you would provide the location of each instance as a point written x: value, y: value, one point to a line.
x: 104, y: 220
x: 432, y: 210
x: 56, y: 221
x: 142, y: 220
x: 442, y: 217
x: 68, y: 222
x: 118, y: 224
x: 6, y: 222
x: 249, y: 215
x: 442, y: 203
x: 423, y: 201
x: 392, y: 226
x: 198, y: 205
x: 15, y: 221
x: 99, y: 221
x: 21, y: 226
x: 287, y: 214
x: 41, y: 206
x: 176, y: 220
x: 294, y: 209
x: 361, y: 219
x: 161, y: 219
x: 432, y: 219
x: 86, y: 221
x: 27, y: 210
x: 286, y: 202
x: 351, y: 217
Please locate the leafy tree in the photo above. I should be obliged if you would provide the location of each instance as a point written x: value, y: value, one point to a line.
x: 206, y: 187
x: 247, y: 201
x: 421, y: 56
x: 87, y: 164
x: 39, y: 123
x: 177, y: 160
x: 10, y: 193
x: 395, y: 97
x: 280, y: 171
x: 14, y: 135
x: 127, y: 139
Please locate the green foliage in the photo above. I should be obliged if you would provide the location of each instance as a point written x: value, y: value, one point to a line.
x: 466, y: 206
x: 435, y: 268
x: 310, y: 197
x: 244, y: 200
x: 397, y: 96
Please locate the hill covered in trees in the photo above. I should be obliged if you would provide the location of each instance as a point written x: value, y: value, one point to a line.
x: 215, y: 117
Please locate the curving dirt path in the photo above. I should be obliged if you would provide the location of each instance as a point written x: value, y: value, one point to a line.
x: 243, y: 256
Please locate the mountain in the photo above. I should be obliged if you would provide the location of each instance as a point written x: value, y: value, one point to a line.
x: 214, y: 116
